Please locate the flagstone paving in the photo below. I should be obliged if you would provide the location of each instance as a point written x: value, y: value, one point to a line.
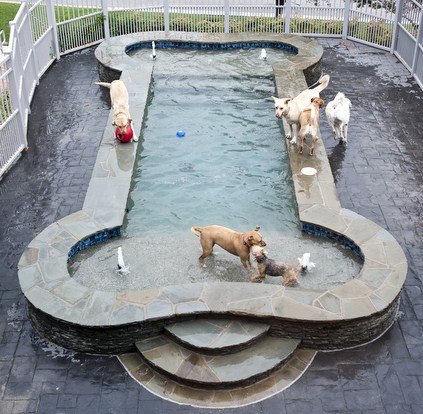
x: 378, y: 175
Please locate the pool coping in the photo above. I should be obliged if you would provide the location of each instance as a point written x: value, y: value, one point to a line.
x: 51, y: 293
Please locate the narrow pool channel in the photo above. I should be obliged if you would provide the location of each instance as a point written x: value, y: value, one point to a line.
x: 210, y: 152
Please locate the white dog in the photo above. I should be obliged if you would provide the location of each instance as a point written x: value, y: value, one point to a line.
x: 119, y: 98
x: 338, y: 116
x: 290, y: 109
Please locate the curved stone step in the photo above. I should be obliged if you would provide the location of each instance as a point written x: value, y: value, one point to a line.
x: 210, y: 397
x: 216, y: 336
x: 221, y: 371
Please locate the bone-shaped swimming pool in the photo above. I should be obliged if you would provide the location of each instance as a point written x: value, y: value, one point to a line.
x: 96, y: 320
x: 211, y: 151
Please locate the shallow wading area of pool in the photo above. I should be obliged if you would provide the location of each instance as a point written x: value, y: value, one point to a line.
x: 106, y: 322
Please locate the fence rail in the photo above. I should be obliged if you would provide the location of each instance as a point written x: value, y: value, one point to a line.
x: 43, y: 30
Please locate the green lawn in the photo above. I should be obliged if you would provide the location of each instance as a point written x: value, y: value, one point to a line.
x: 373, y: 31
x: 7, y: 14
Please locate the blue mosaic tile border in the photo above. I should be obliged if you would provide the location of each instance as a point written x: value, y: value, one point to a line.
x: 94, y: 239
x: 315, y: 230
x: 212, y: 46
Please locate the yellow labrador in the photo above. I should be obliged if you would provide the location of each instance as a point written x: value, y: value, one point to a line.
x: 120, y: 104
x: 290, y: 109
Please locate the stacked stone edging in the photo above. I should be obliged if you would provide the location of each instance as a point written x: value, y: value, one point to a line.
x: 86, y: 320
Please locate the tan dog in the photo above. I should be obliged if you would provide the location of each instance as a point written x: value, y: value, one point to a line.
x: 238, y: 244
x: 120, y: 104
x: 309, y: 121
x: 271, y: 267
x: 290, y: 109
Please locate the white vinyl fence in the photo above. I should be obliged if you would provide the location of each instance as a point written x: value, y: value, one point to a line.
x: 44, y: 30
x: 28, y: 55
x: 408, y: 42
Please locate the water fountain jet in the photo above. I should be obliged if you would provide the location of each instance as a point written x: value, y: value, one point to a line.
x: 122, y: 268
x: 305, y: 263
x: 153, y: 48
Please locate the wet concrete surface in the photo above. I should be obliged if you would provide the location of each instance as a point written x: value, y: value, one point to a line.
x: 378, y: 175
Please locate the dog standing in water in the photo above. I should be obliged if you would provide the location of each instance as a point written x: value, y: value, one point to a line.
x: 270, y: 267
x: 119, y: 98
x: 236, y: 243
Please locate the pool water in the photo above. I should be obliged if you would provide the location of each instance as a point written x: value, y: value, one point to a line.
x: 230, y: 168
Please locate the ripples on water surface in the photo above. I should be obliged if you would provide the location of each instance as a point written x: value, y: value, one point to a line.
x: 231, y: 169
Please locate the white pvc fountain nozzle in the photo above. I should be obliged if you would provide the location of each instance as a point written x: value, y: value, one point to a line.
x: 121, y: 264
x: 153, y: 47
x: 305, y: 262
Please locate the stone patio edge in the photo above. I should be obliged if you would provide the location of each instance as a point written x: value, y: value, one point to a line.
x: 49, y: 288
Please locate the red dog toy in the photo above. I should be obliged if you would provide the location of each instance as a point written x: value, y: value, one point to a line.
x: 124, y: 137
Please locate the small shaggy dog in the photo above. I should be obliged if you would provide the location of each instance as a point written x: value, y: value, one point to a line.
x: 271, y: 267
x: 338, y: 116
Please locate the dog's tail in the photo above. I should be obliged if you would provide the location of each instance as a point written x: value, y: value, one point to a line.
x: 105, y: 84
x: 323, y: 83
x: 196, y: 230
x: 339, y: 96
x: 342, y: 99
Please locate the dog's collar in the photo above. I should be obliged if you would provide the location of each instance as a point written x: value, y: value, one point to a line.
x: 244, y: 241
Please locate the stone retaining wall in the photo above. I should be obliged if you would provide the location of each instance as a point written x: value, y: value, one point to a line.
x: 87, y: 320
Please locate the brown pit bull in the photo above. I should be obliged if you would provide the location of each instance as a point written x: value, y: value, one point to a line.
x: 236, y: 243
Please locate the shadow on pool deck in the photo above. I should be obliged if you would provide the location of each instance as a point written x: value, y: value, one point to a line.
x: 378, y: 176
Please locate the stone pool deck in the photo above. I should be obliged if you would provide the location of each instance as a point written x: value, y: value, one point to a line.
x: 357, y: 311
x: 378, y: 177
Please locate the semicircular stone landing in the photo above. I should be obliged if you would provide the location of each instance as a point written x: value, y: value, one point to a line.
x: 248, y: 341
x: 260, y: 366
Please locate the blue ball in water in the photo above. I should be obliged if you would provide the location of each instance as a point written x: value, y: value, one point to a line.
x: 180, y: 134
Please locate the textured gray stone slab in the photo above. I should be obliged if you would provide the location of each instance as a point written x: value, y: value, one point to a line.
x: 216, y: 334
x: 217, y: 370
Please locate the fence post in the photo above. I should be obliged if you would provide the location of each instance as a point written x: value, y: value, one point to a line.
x: 51, y: 17
x: 166, y: 15
x: 419, y: 41
x: 288, y: 14
x: 26, y: 31
x: 346, y: 19
x: 105, y: 12
x: 226, y: 16
x: 397, y: 21
x: 19, y: 95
